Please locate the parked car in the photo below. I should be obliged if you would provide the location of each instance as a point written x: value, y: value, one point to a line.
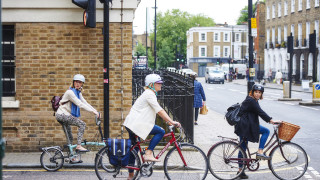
x: 172, y: 69
x: 214, y: 74
x: 187, y: 71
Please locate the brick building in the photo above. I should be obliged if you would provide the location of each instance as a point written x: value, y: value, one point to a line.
x: 301, y: 18
x: 45, y: 44
x: 208, y: 45
x: 259, y: 40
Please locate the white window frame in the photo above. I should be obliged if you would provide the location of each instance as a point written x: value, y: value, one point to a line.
x: 316, y: 27
x: 279, y: 9
x: 310, y: 66
x: 205, y: 51
x: 200, y: 37
x: 316, y: 3
x: 273, y: 11
x: 268, y: 36
x: 285, y: 33
x: 268, y: 12
x: 224, y: 37
x: 307, y: 4
x: 300, y: 5
x: 226, y: 53
x: 285, y: 8
x: 239, y: 37
x: 214, y: 36
x: 273, y: 36
x: 279, y: 34
x: 216, y: 51
x: 292, y: 6
x: 307, y: 30
x: 292, y: 29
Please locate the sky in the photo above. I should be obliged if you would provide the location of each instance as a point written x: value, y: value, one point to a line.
x: 220, y: 10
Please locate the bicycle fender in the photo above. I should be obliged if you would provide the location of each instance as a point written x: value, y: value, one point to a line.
x: 46, y: 148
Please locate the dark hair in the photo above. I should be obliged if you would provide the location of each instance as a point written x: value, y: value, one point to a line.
x: 252, y: 91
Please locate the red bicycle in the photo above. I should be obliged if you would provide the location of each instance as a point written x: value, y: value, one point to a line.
x: 183, y: 161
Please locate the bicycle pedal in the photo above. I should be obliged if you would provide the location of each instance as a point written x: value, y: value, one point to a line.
x: 76, y: 162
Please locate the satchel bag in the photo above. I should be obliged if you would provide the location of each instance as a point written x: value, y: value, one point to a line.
x: 204, y: 110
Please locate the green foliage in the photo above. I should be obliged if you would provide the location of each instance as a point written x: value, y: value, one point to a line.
x: 150, y: 59
x: 244, y: 15
x: 140, y: 49
x: 171, y: 32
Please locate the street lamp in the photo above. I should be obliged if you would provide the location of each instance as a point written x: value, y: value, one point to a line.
x: 251, y: 69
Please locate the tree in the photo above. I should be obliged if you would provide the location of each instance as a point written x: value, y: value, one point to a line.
x: 171, y: 31
x: 244, y: 15
x: 140, y: 49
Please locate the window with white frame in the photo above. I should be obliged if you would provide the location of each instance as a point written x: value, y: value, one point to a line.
x: 279, y: 9
x: 273, y: 10
x: 308, y: 4
x: 316, y: 3
x: 216, y: 37
x: 273, y: 36
x: 203, y: 37
x: 285, y: 8
x: 310, y: 65
x: 226, y: 51
x: 238, y: 37
x: 226, y: 37
x: 300, y: 32
x: 300, y: 5
x: 279, y: 34
x: 292, y: 5
x: 268, y: 36
x: 216, y: 51
x: 307, y: 30
x: 202, y: 51
x: 285, y: 32
x: 292, y: 29
x: 316, y: 27
x: 268, y: 12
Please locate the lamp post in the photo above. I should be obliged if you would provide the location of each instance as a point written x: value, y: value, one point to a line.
x: 251, y: 69
x: 155, y: 34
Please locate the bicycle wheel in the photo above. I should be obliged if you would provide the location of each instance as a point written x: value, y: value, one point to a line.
x: 52, y: 159
x: 291, y: 164
x: 196, y: 163
x: 104, y: 170
x: 220, y: 160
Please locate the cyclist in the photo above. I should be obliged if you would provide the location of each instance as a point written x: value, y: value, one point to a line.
x: 141, y: 118
x: 248, y: 128
x: 69, y: 110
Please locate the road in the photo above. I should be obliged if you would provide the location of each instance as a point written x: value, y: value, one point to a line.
x: 221, y: 96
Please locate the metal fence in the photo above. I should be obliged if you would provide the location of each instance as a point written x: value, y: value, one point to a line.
x: 176, y: 97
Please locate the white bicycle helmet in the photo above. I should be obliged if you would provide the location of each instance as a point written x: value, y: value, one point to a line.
x: 79, y: 77
x: 152, y: 78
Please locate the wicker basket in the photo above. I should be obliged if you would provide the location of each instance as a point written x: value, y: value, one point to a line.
x: 287, y: 131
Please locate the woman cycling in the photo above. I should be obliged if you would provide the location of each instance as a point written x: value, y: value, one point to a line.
x: 248, y: 128
x: 141, y: 118
x: 69, y: 110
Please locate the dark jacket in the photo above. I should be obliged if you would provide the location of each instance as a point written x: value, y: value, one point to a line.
x: 248, y: 127
x: 198, y: 94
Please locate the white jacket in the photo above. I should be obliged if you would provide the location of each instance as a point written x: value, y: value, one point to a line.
x: 71, y: 97
x: 142, y: 116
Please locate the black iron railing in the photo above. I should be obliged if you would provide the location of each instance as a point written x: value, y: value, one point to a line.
x: 176, y: 96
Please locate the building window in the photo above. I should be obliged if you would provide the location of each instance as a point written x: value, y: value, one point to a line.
x: 292, y: 29
x: 268, y: 13
x: 285, y: 8
x: 216, y: 37
x: 310, y: 65
x: 285, y: 33
x: 279, y: 9
x: 316, y: 27
x: 8, y: 61
x: 300, y: 5
x: 273, y: 36
x: 292, y: 5
x: 226, y: 37
x: 308, y: 4
x: 203, y: 37
x: 216, y: 51
x: 238, y: 37
x: 300, y: 34
x: 316, y: 3
x: 202, y: 51
x: 307, y: 30
x: 273, y: 11
x: 279, y: 34
x: 226, y: 51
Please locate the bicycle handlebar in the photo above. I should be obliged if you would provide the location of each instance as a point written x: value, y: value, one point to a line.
x: 98, y: 120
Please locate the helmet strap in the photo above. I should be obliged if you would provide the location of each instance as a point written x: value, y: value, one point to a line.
x: 153, y: 89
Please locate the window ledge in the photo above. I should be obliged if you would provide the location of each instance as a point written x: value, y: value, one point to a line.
x: 10, y: 102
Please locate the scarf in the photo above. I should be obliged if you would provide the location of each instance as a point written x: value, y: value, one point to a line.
x: 75, y: 110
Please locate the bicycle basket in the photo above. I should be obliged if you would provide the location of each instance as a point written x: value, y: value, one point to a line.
x: 287, y: 131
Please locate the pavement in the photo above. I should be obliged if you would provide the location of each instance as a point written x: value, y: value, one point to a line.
x: 206, y: 134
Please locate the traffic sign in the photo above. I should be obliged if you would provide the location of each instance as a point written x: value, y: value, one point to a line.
x: 253, y: 23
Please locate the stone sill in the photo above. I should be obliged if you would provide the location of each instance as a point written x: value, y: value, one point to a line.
x: 10, y: 102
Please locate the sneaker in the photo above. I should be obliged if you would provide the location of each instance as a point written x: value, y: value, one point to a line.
x: 263, y: 157
x: 195, y: 123
x: 243, y: 175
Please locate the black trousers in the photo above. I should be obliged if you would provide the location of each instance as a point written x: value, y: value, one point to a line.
x: 196, y: 113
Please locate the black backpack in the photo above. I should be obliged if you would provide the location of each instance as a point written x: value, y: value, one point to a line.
x: 233, y: 114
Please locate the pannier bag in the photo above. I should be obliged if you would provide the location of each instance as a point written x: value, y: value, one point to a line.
x: 119, y: 151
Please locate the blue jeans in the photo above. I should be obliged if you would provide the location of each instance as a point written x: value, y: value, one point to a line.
x: 264, y: 136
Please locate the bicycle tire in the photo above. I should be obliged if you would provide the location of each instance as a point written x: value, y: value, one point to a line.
x: 219, y: 164
x: 297, y: 165
x: 104, y: 170
x: 52, y: 159
x: 195, y: 158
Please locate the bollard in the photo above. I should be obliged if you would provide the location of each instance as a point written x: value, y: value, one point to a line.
x: 286, y: 89
x: 316, y: 92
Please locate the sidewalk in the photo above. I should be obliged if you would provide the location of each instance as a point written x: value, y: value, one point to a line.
x: 205, y: 135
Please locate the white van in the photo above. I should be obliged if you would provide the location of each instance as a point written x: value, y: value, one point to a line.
x: 214, y: 74
x: 240, y: 68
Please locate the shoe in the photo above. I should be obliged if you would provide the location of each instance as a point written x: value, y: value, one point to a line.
x: 263, y: 157
x: 149, y: 158
x: 243, y: 175
x: 195, y: 123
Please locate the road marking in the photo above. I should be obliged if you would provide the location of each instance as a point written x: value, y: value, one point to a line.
x: 310, y: 108
x: 243, y: 93
x: 288, y: 103
x: 220, y: 88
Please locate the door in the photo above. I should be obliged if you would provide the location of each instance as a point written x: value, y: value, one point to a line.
x: 202, y: 70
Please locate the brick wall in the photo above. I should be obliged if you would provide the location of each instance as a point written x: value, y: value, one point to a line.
x: 47, y: 57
